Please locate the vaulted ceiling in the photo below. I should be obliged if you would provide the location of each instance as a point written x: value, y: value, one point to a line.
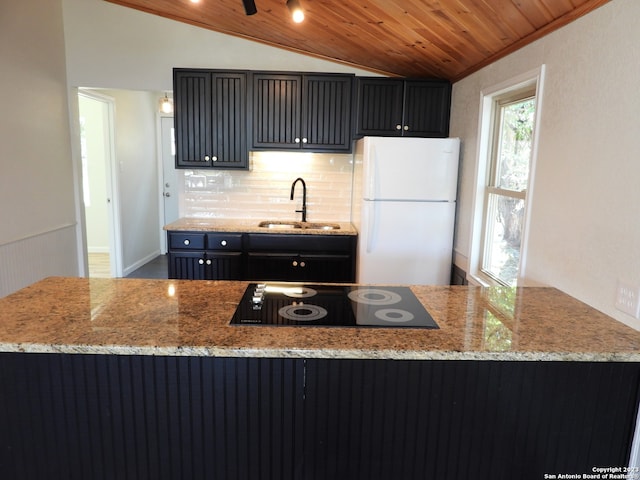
x: 410, y: 38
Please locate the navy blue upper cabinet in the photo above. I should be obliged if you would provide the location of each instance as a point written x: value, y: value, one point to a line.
x: 402, y: 107
x: 302, y: 111
x: 211, y: 118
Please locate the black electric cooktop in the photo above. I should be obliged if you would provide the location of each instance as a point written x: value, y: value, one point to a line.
x: 288, y: 304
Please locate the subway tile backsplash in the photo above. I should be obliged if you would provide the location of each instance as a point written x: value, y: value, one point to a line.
x: 262, y: 193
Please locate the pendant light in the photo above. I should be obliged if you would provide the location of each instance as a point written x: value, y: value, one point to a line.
x: 166, y: 104
x: 297, y: 14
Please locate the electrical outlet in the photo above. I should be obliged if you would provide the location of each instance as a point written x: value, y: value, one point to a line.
x: 628, y: 299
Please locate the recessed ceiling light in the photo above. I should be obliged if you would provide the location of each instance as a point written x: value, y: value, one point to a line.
x: 296, y: 10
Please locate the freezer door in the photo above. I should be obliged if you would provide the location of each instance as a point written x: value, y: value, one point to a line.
x: 406, y: 243
x: 410, y: 168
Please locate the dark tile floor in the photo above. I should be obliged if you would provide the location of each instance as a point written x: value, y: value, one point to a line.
x: 156, y: 268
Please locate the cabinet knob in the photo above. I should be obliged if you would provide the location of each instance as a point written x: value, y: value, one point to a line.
x: 187, y: 241
x: 398, y: 127
x: 207, y: 158
x: 304, y: 140
x: 302, y: 264
x: 215, y: 159
x: 223, y: 243
x: 208, y: 262
x: 201, y: 261
x: 406, y: 127
x: 294, y: 263
x: 297, y: 140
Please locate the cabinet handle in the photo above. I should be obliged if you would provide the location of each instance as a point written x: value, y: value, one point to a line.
x: 294, y: 263
x: 406, y: 127
x: 304, y: 140
x: 302, y: 264
x: 207, y: 157
x: 223, y: 243
x: 398, y: 127
x: 187, y: 241
x: 201, y: 261
x: 214, y: 158
x: 297, y: 140
x: 208, y: 262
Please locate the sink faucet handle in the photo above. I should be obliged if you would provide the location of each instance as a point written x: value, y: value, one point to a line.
x: 304, y: 197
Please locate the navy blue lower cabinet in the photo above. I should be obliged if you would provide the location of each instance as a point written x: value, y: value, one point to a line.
x: 151, y: 417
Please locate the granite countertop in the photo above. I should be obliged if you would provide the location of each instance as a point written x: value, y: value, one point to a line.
x: 183, y: 317
x: 251, y: 226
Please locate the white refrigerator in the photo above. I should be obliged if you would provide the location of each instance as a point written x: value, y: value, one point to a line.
x: 403, y: 206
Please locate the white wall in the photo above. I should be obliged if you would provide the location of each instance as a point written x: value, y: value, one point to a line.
x: 117, y: 47
x: 585, y: 217
x: 36, y: 174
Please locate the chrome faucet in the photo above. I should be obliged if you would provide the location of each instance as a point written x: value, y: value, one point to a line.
x: 304, y: 197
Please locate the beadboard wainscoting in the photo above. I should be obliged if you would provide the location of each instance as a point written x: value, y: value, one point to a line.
x: 27, y: 260
x: 263, y: 191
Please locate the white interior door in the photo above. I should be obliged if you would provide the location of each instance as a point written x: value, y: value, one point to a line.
x: 170, y: 177
x: 97, y: 119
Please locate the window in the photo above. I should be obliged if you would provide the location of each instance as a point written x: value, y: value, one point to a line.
x: 507, y: 145
x: 513, y: 118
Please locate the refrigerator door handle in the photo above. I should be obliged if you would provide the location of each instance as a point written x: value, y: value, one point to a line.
x: 372, y: 174
x: 372, y: 231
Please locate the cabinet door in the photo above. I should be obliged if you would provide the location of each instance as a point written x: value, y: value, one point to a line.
x: 230, y: 147
x: 326, y: 268
x: 192, y: 118
x: 326, y: 113
x: 426, y: 108
x: 276, y: 111
x: 292, y: 267
x: 379, y: 108
x: 273, y: 266
x: 206, y: 266
x: 185, y: 265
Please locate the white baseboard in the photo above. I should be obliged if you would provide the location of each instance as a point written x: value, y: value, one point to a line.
x: 139, y: 263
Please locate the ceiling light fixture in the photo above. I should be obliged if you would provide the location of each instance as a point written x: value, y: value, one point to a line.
x: 296, y: 10
x: 166, y: 104
x: 249, y: 7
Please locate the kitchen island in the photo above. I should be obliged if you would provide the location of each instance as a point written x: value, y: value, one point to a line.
x: 118, y: 378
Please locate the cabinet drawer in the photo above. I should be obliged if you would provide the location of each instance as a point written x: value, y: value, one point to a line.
x: 186, y: 241
x: 224, y: 241
x: 300, y: 243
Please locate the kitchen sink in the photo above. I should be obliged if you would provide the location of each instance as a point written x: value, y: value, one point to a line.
x: 321, y: 226
x: 277, y: 224
x: 284, y: 225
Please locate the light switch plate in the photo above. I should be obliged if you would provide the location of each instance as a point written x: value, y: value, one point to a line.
x: 628, y: 299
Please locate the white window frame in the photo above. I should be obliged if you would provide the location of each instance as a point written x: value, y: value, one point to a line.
x: 488, y: 98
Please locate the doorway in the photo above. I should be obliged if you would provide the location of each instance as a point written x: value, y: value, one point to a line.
x: 169, y: 209
x: 99, y: 184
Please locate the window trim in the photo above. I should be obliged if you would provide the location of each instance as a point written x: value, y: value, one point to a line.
x: 485, y: 143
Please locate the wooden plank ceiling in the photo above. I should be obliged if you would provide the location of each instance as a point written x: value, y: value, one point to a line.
x: 411, y: 38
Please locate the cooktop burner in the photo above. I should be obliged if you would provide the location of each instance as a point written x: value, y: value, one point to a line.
x: 291, y: 304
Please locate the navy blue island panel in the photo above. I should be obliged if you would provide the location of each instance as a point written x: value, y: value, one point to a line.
x: 65, y: 416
